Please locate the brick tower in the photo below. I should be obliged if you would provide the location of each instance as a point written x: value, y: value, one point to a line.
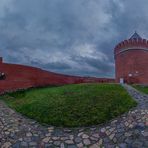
x: 131, y: 60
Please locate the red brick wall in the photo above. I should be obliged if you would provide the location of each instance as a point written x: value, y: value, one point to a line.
x: 21, y: 77
x: 133, y: 61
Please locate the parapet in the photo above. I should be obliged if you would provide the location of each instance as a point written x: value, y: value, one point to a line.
x: 131, y: 44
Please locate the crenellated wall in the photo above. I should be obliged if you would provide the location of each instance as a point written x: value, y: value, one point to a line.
x: 131, y: 61
x: 22, y: 77
x: 131, y: 44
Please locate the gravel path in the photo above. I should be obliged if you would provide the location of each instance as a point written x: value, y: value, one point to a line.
x: 130, y: 130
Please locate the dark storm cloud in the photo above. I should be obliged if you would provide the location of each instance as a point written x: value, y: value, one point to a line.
x: 69, y: 36
x: 53, y: 66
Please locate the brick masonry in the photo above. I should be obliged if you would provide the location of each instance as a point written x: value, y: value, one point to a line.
x: 22, y: 77
x: 131, y: 61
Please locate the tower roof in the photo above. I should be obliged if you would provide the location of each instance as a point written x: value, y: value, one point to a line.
x: 136, y: 36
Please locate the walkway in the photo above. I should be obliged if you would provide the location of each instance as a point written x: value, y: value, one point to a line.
x: 129, y: 130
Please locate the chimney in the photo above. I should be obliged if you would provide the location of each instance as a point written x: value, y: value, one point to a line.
x: 1, y: 60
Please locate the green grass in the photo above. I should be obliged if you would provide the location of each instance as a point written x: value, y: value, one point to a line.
x: 72, y: 105
x: 141, y: 88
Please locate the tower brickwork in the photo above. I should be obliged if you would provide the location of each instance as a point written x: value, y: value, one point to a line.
x: 131, y: 60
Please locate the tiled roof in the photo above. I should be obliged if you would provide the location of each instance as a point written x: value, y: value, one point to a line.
x: 136, y: 36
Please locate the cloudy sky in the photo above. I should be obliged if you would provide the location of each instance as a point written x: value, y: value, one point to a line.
x: 73, y: 37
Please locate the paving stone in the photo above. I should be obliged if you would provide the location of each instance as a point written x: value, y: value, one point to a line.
x: 46, y: 139
x: 100, y: 142
x: 6, y: 145
x: 71, y: 146
x: 29, y: 134
x: 86, y: 142
x: 24, y: 144
x: 96, y: 135
x: 32, y: 144
x: 94, y: 146
x: 80, y: 145
x: 103, y: 130
x: 111, y: 136
x: 78, y: 139
x: 127, y: 134
x: 16, y: 145
x: 69, y: 142
x: 93, y: 138
x: 122, y: 145
x: 62, y: 145
x: 57, y: 143
x: 55, y: 138
x: 137, y: 144
x: 80, y: 134
x: 84, y: 136
x: 48, y: 146
x: 35, y: 138
x: 145, y: 134
x: 28, y: 139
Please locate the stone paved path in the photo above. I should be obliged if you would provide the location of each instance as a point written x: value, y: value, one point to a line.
x: 130, y: 130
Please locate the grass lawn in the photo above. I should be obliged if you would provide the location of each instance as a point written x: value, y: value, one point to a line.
x: 72, y: 105
x: 143, y: 89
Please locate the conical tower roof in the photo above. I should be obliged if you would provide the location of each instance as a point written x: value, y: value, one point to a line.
x: 136, y: 36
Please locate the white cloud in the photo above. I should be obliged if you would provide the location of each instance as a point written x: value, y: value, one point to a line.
x: 89, y: 51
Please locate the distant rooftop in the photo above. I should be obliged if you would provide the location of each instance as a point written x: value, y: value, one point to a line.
x: 136, y: 36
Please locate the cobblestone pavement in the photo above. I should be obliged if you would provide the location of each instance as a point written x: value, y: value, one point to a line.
x: 130, y: 130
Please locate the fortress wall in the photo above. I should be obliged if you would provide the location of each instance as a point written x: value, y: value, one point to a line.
x: 22, y: 77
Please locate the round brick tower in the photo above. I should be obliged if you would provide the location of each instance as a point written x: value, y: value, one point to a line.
x: 131, y: 60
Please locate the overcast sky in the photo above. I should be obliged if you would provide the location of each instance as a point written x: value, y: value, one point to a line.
x: 75, y: 37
